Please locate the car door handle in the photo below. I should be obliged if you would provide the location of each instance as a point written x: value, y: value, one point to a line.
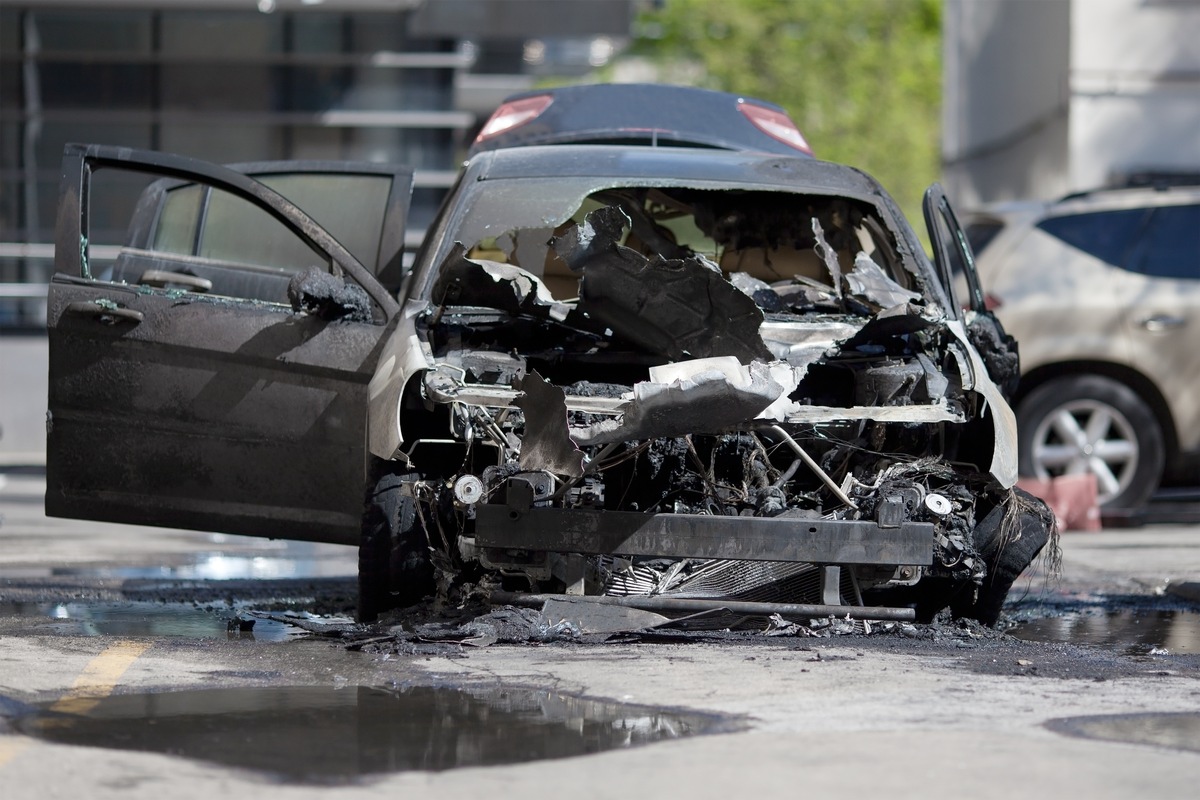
x: 1162, y: 322
x: 109, y: 314
x: 161, y: 278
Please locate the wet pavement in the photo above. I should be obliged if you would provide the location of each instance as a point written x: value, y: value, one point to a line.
x: 146, y: 619
x: 315, y: 734
x: 220, y: 566
x: 35, y: 546
x: 1136, y: 632
x: 1179, y: 731
x: 134, y: 623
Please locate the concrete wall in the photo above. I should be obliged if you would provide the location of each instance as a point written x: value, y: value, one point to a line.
x: 1135, y: 88
x: 1046, y: 97
x: 1006, y: 98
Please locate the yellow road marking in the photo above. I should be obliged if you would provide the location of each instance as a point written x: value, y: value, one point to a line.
x: 99, y: 677
x: 96, y: 682
x: 10, y: 746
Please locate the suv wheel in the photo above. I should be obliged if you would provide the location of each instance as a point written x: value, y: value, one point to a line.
x: 394, y: 568
x: 1089, y: 423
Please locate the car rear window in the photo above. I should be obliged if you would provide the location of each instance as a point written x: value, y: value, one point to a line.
x: 1107, y: 235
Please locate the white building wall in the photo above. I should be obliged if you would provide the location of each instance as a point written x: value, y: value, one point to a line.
x: 1005, y: 99
x: 1135, y: 89
x: 1042, y: 97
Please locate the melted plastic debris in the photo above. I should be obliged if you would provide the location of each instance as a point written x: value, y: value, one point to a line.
x: 326, y: 296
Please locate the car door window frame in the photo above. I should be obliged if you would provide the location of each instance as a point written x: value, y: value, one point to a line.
x: 386, y: 263
x: 80, y: 161
x: 936, y: 207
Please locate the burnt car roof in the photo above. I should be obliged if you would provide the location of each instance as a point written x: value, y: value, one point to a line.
x: 642, y: 114
x: 791, y: 174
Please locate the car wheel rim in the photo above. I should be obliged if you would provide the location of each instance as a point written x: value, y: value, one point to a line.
x: 1087, y: 436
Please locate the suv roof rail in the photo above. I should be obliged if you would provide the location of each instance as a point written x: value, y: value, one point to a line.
x: 1159, y: 179
x: 1143, y: 179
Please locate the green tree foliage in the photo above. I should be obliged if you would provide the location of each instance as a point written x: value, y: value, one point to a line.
x: 862, y: 78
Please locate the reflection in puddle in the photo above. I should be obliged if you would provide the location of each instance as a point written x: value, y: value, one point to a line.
x: 224, y: 568
x: 220, y: 567
x: 1135, y: 632
x: 328, y: 735
x: 96, y: 618
x: 1177, y: 730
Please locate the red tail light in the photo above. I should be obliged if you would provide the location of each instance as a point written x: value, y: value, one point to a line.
x: 991, y: 302
x: 775, y: 124
x: 514, y: 115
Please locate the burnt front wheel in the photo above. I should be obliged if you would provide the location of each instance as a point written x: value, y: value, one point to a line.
x: 394, y: 568
x: 1009, y: 538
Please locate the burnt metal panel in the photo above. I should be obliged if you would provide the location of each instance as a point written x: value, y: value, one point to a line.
x: 547, y: 443
x: 689, y: 605
x: 674, y: 307
x: 207, y: 413
x: 703, y: 536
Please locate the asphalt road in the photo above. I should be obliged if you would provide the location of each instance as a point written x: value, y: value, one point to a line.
x: 939, y: 712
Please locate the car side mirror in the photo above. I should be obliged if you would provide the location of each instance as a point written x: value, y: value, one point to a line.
x: 329, y: 297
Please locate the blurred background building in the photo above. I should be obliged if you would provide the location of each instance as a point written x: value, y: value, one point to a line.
x: 1056, y: 96
x: 403, y: 81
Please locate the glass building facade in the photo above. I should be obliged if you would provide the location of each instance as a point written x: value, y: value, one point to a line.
x: 227, y: 83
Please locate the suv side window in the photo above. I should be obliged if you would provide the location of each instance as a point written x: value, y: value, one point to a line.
x: 1170, y: 247
x: 1107, y: 235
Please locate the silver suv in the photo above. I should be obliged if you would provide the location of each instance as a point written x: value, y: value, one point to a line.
x: 1102, y: 290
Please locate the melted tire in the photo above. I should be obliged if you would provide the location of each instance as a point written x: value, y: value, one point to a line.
x: 394, y: 568
x: 1007, y: 550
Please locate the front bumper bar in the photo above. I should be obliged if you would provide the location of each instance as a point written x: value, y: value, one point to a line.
x: 628, y: 533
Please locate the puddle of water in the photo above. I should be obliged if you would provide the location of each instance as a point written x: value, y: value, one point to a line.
x: 329, y: 735
x: 1134, y: 632
x: 221, y: 567
x: 134, y: 619
x: 1180, y: 730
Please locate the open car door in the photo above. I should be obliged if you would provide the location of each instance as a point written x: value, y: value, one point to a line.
x: 956, y: 266
x: 214, y: 374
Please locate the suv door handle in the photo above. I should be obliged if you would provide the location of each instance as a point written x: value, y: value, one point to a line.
x: 1162, y: 322
x: 161, y: 278
x: 110, y: 315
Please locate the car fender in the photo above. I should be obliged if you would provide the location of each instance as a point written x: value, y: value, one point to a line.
x: 1004, y: 422
x: 403, y: 356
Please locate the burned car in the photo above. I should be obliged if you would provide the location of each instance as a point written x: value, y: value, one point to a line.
x: 674, y: 379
